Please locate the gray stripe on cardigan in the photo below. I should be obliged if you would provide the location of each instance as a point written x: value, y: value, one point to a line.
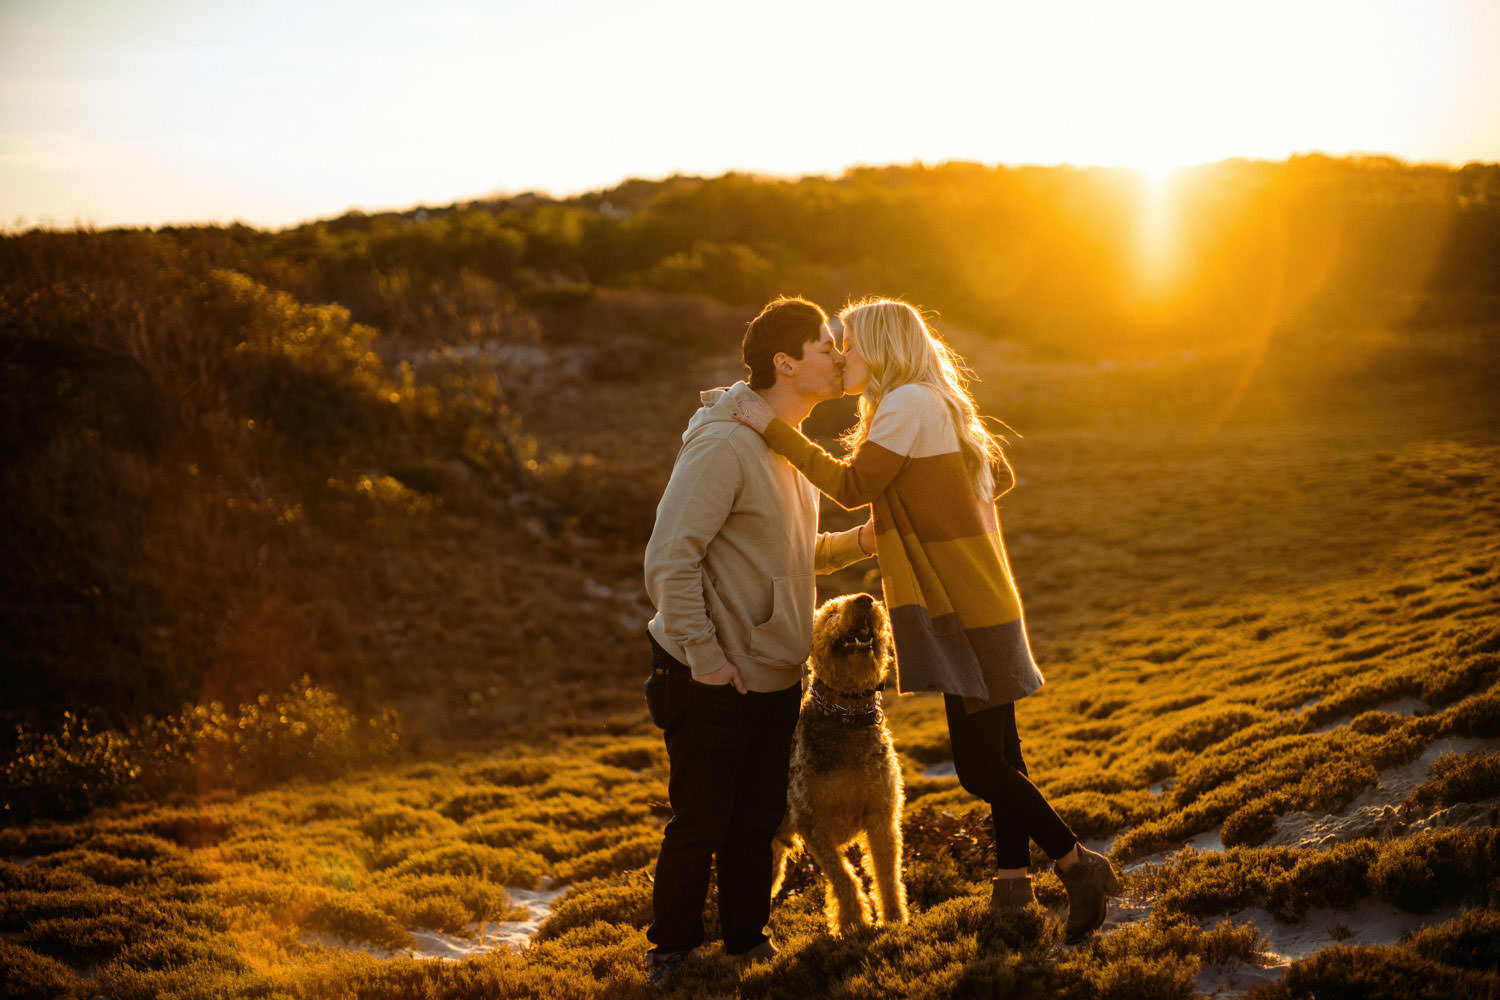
x: 987, y: 666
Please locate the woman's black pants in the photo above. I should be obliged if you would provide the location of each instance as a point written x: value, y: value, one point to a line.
x: 987, y: 757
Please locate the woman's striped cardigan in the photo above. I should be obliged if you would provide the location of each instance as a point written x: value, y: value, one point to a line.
x: 954, y: 608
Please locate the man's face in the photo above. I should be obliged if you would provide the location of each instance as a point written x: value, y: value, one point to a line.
x: 820, y: 373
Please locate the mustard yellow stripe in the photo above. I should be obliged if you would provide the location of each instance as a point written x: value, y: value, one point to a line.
x: 909, y: 577
x: 979, y: 583
x: 897, y: 579
x: 967, y: 576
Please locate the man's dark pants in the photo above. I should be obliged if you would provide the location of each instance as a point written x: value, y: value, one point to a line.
x: 729, y: 754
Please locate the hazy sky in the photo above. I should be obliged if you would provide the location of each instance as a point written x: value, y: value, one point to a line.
x: 150, y: 111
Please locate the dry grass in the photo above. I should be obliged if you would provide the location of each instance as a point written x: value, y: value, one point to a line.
x: 1261, y: 584
x: 1240, y: 620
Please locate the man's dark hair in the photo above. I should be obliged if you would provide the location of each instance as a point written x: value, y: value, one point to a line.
x: 782, y: 327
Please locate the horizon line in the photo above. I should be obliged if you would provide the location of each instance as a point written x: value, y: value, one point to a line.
x: 45, y: 224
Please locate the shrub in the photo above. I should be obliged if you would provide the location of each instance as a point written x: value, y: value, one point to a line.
x: 474, y: 801
x: 930, y: 881
x: 1458, y: 680
x: 633, y: 758
x: 1350, y: 973
x: 69, y: 772
x: 353, y: 918
x: 1438, y: 868
x: 1207, y: 728
x: 508, y: 866
x: 1250, y: 824
x: 1334, y: 878
x: 628, y: 854
x: 628, y: 904
x: 26, y: 975
x: 1471, y: 777
x: 1477, y: 716
x: 303, y: 732
x: 85, y: 938
x: 967, y: 838
x: 1470, y: 942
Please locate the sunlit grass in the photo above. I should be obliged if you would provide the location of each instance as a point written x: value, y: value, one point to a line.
x: 1208, y: 677
x: 1261, y: 584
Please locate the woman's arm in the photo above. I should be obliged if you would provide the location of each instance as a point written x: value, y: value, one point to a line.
x: 895, y: 431
x: 851, y: 484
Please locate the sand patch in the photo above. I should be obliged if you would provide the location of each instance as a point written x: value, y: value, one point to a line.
x: 1378, y: 812
x: 481, y: 937
x: 1222, y: 982
x: 1401, y: 706
x: 1370, y: 922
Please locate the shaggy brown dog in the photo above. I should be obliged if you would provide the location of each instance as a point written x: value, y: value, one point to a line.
x: 845, y: 782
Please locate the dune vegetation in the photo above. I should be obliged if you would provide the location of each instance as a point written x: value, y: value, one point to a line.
x: 322, y: 619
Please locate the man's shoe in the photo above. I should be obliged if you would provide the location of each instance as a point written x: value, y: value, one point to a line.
x: 763, y: 952
x: 1011, y: 895
x: 661, y: 964
x: 1088, y: 883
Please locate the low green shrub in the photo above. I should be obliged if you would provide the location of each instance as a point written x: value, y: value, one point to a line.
x: 504, y: 866
x: 1250, y: 824
x: 354, y: 918
x: 1343, y: 972
x: 934, y: 880
x: 1461, y: 679
x: 967, y: 838
x: 639, y: 757
x: 1336, y: 878
x: 403, y: 821
x: 1470, y: 942
x: 628, y: 903
x: 1477, y: 716
x: 1208, y: 727
x: 68, y: 772
x: 624, y: 854
x: 88, y: 938
x: 1418, y: 874
x: 1471, y: 777
x: 27, y: 975
x: 1438, y: 868
x: 303, y: 732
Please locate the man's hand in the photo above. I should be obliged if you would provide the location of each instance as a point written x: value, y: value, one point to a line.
x: 867, y: 536
x: 727, y: 674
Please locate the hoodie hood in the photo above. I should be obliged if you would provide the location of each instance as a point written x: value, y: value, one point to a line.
x: 730, y: 563
x: 718, y: 406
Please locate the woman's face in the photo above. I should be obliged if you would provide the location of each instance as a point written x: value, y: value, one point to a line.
x: 856, y: 369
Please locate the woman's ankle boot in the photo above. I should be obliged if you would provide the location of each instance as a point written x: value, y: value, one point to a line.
x: 1011, y: 895
x: 1088, y: 883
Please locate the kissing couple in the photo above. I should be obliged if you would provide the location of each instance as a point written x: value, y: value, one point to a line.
x: 730, y: 570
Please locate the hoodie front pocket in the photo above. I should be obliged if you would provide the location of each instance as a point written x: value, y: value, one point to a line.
x: 786, y: 637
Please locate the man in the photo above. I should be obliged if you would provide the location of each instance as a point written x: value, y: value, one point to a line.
x: 730, y: 570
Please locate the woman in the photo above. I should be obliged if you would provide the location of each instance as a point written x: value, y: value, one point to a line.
x: 924, y: 459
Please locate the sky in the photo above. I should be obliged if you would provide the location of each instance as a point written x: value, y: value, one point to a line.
x: 149, y: 112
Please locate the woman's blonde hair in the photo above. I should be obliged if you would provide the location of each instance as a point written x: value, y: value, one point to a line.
x: 900, y: 348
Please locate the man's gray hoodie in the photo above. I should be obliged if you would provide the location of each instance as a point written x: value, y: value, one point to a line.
x: 731, y: 562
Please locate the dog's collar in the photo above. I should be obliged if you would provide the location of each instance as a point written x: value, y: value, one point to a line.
x: 851, y: 707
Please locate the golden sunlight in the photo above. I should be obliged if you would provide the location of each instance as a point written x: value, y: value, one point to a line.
x: 1157, y: 248
x: 1173, y: 84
